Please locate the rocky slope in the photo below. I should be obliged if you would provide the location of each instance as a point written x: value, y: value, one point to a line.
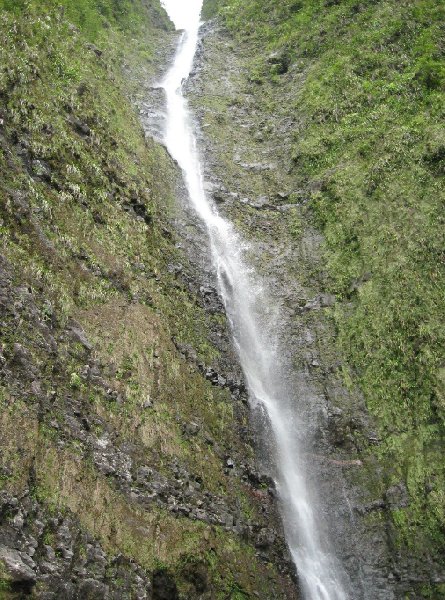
x: 382, y: 489
x: 127, y: 465
x: 130, y: 464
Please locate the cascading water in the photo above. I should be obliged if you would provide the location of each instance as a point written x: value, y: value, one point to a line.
x: 252, y: 318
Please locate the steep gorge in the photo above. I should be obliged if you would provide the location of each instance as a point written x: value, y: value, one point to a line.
x: 127, y: 467
x: 131, y: 465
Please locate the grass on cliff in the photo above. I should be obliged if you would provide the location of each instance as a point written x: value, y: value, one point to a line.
x: 96, y: 18
x: 85, y: 208
x: 369, y: 148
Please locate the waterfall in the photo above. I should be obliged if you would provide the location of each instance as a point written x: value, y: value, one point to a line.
x: 253, y: 318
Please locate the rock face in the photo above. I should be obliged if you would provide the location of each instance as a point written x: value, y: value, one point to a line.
x: 17, y: 567
x: 130, y: 464
x: 248, y: 164
x: 127, y: 456
x: 43, y: 554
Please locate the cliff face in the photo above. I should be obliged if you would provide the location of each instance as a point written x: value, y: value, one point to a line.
x: 129, y: 463
x: 320, y: 125
x: 126, y: 456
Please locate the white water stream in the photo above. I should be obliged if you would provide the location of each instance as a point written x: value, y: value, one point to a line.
x: 252, y: 317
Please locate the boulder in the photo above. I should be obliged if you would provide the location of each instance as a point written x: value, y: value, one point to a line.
x: 17, y: 571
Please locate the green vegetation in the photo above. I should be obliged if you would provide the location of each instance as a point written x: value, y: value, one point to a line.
x: 96, y: 17
x: 85, y: 208
x: 210, y: 9
x: 368, y: 105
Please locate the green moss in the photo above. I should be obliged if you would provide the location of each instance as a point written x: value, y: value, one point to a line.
x: 93, y: 16
x: 5, y: 579
x: 364, y: 84
x: 75, y: 381
x: 85, y: 212
x: 210, y: 9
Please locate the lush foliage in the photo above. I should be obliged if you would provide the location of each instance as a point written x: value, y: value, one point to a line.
x: 92, y: 16
x: 369, y: 149
x: 85, y: 207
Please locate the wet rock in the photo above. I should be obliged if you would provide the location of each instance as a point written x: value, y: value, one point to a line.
x: 266, y: 538
x: 259, y: 479
x: 17, y: 566
x: 216, y: 191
